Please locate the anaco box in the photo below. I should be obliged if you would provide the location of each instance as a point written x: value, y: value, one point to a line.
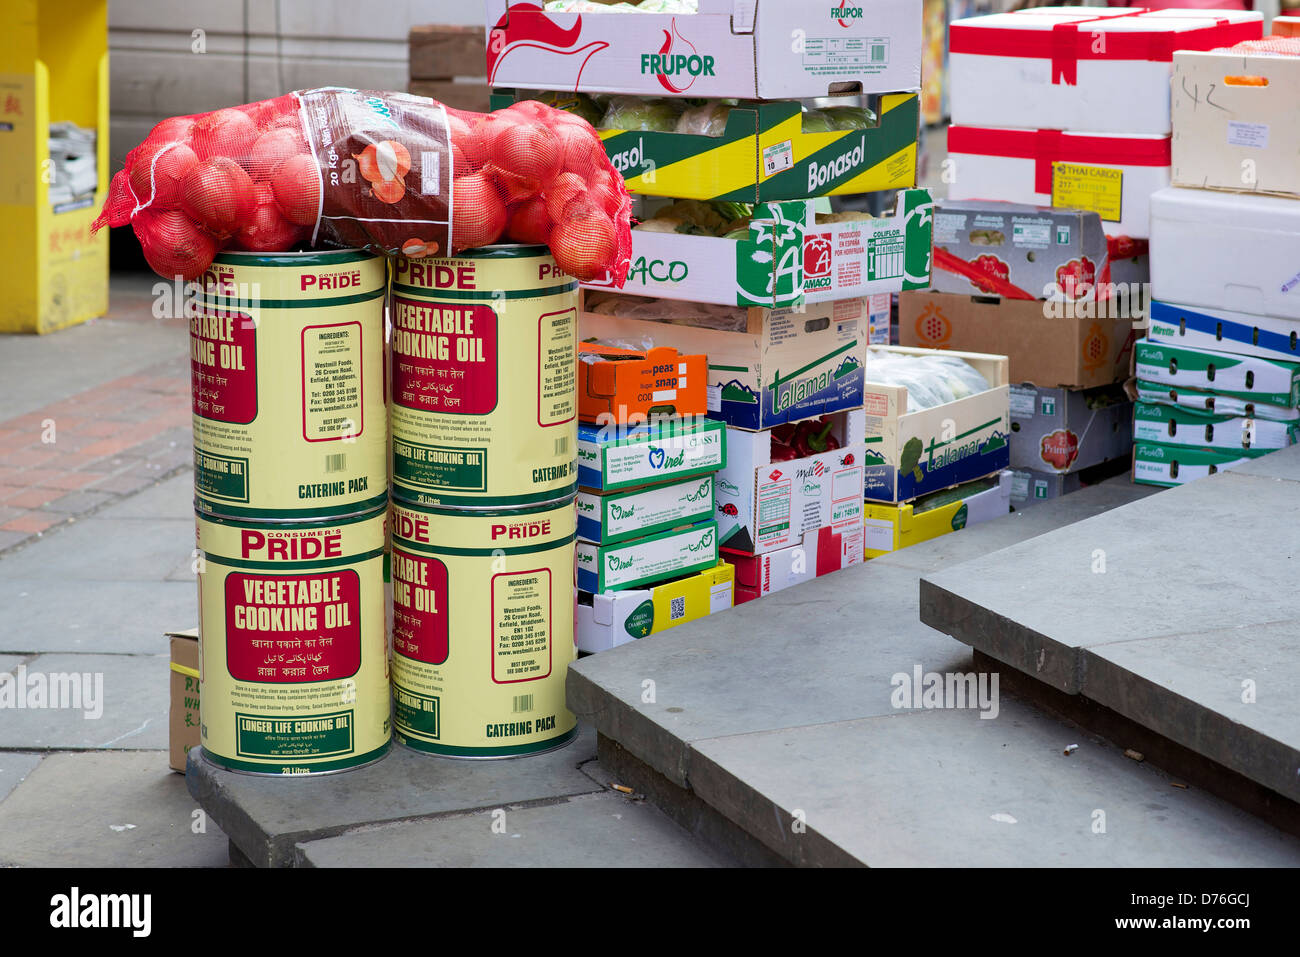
x: 610, y: 619
x: 618, y: 516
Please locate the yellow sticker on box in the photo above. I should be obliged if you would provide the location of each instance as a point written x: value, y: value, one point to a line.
x: 1096, y: 188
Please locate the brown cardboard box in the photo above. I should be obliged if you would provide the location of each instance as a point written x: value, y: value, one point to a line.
x: 184, y: 695
x: 449, y: 64
x: 1051, y: 344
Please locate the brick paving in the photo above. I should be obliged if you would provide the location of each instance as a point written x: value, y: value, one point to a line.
x: 108, y: 442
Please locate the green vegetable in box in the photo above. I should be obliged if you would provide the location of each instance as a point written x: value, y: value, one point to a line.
x: 635, y: 113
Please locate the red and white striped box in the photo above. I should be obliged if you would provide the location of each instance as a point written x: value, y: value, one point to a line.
x: 1101, y: 69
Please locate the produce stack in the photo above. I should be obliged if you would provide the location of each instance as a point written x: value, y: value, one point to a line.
x: 733, y: 260
x: 1218, y: 379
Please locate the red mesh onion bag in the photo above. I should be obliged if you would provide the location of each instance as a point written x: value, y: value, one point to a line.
x: 389, y: 172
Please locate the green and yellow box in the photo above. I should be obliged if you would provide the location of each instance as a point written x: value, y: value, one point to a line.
x: 609, y: 619
x: 888, y: 528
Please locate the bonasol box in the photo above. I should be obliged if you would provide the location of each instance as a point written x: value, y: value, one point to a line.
x: 887, y: 528
x: 1202, y: 401
x: 614, y: 618
x: 786, y: 365
x: 1111, y: 174
x: 1172, y: 425
x: 1087, y: 68
x: 727, y: 48
x: 183, y: 724
x: 1170, y: 465
x: 649, y: 559
x: 908, y: 454
x: 1225, y: 330
x: 1244, y: 377
x: 615, y: 457
x: 618, y: 516
x: 820, y: 552
x: 764, y: 505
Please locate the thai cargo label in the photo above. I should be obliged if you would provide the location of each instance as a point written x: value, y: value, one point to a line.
x: 287, y: 384
x: 619, y: 457
x: 619, y: 516
x: 484, y: 352
x: 482, y: 629
x: 294, y: 673
x: 650, y: 559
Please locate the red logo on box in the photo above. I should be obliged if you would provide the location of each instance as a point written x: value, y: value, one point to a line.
x: 817, y: 255
x: 1059, y: 449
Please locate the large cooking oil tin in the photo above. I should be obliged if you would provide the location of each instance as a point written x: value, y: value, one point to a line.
x: 287, y: 376
x: 482, y: 629
x: 484, y: 401
x: 294, y: 671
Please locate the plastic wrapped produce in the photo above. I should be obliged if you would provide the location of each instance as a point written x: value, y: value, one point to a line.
x: 709, y: 119
x: 930, y: 380
x: 638, y: 113
x: 389, y: 172
x: 849, y: 117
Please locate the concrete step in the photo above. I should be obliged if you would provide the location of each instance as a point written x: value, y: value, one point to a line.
x: 1179, y: 612
x: 781, y: 720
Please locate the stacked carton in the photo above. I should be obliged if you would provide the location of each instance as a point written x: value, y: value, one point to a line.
x: 1218, y: 380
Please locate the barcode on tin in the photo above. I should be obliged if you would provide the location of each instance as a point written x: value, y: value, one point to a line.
x: 678, y: 608
x: 523, y: 703
x: 562, y: 445
x: 336, y: 462
x: 877, y: 52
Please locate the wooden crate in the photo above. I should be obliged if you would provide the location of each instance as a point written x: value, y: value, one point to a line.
x: 449, y: 64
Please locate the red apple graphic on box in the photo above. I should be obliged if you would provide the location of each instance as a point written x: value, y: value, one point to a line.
x: 994, y: 267
x: 1059, y: 449
x: 817, y: 255
x: 1077, y: 277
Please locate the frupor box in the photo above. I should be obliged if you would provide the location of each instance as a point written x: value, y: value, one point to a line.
x: 787, y: 259
x: 1070, y: 345
x: 629, y: 385
x: 911, y: 453
x: 649, y: 559
x: 1249, y: 142
x: 1088, y: 68
x: 615, y: 457
x: 618, y: 516
x: 1249, y: 378
x: 1225, y: 330
x: 614, y: 618
x: 1198, y: 400
x: 1172, y: 425
x: 887, y: 528
x: 788, y: 364
x: 1168, y: 465
x: 729, y: 48
x: 1016, y: 250
x: 183, y: 724
x: 821, y: 551
x: 1110, y: 174
x: 1226, y: 251
x: 1064, y: 430
x: 764, y: 505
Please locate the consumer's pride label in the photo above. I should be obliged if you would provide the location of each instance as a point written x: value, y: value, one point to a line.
x: 612, y: 567
x: 1096, y: 188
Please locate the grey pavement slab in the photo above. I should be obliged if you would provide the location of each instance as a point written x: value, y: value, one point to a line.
x: 170, y: 498
x: 10, y: 662
x: 947, y: 788
x: 134, y: 705
x: 102, y: 548
x: 1282, y: 464
x: 122, y: 617
x: 106, y: 809
x: 1215, y: 556
x: 266, y: 817
x: 14, y: 768
x: 597, y: 830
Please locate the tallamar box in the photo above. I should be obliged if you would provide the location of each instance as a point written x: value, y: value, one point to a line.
x: 1224, y: 330
x: 1250, y: 378
x: 609, y: 619
x: 887, y: 528
x: 1068, y: 430
x: 908, y: 454
x: 616, y: 457
x: 1168, y: 465
x: 618, y: 516
x: 1172, y: 425
x: 639, y: 561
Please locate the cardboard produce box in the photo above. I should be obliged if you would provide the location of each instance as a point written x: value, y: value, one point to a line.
x: 787, y: 364
x: 183, y: 723
x: 630, y: 385
x: 887, y: 528
x: 1111, y: 174
x: 612, y: 458
x: 448, y: 63
x: 821, y: 551
x: 1067, y: 430
x: 1128, y: 266
x: 1199, y: 400
x: 788, y: 258
x: 610, y: 619
x: 1220, y: 250
x: 911, y: 453
x: 1250, y: 141
x: 1088, y: 68
x: 1030, y: 486
x: 639, y: 561
x: 1169, y: 465
x: 1190, y: 428
x: 1224, y: 330
x: 1017, y: 251
x: 765, y: 505
x: 1070, y: 345
x: 725, y: 49
x: 618, y: 516
x: 1250, y: 378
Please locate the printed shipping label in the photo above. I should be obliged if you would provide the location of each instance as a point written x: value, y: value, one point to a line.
x: 878, y: 534
x: 1254, y: 135
x: 1097, y: 188
x: 1022, y: 402
x: 778, y: 157
x: 845, y: 54
x: 1031, y: 234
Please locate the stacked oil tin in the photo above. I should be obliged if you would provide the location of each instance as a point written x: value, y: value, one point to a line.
x: 291, y: 496
x: 483, y: 413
